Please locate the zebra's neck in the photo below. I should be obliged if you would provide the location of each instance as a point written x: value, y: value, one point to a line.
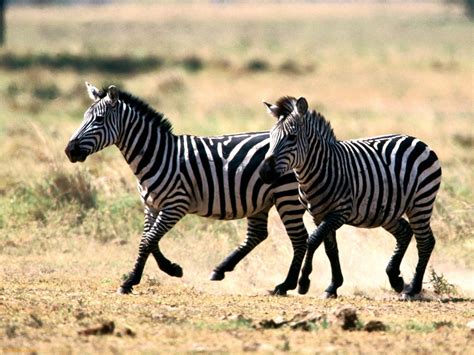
x: 145, y: 144
x: 323, y: 161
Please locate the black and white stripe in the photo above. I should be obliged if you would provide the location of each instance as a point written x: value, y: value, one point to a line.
x: 213, y: 177
x: 366, y: 183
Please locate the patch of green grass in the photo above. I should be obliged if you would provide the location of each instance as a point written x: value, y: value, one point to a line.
x: 420, y: 326
x: 441, y: 286
x: 51, y: 193
x: 116, y: 218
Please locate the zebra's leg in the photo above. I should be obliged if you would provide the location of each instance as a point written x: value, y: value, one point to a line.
x: 425, y: 243
x: 330, y: 246
x: 149, y: 245
x: 314, y: 241
x: 135, y: 275
x: 402, y: 232
x: 292, y: 217
x: 329, y: 225
x: 256, y: 232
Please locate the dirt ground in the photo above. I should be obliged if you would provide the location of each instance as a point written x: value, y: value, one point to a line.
x: 58, y: 295
x: 44, y: 314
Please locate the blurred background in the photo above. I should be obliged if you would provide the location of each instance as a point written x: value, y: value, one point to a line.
x: 371, y: 68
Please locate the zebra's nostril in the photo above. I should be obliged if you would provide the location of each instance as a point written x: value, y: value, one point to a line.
x: 267, y: 170
x: 73, y: 151
x: 270, y: 161
x: 71, y: 147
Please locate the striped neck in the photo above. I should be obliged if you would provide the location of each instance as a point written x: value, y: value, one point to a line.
x: 323, y: 155
x: 145, y: 137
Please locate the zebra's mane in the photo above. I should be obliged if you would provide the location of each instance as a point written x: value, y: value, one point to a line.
x: 286, y: 107
x: 145, y: 110
x: 323, y: 127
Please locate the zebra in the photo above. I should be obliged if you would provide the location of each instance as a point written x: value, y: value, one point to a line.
x: 371, y: 182
x: 214, y: 177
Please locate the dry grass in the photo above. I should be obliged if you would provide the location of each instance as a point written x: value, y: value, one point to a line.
x: 68, y: 232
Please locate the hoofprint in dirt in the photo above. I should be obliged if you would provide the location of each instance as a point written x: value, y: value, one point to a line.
x: 45, y: 314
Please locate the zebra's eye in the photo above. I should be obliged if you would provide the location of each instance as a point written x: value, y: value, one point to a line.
x: 99, y: 119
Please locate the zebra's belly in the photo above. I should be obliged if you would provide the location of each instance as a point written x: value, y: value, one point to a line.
x: 227, y: 211
x: 225, y: 214
x: 371, y: 215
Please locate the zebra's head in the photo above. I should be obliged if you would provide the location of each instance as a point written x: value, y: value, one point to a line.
x: 287, y: 138
x: 100, y: 127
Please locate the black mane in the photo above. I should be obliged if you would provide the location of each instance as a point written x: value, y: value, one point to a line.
x: 143, y: 108
x: 323, y: 126
x: 287, y: 104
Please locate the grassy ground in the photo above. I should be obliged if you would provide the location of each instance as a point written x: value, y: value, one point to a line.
x: 69, y: 232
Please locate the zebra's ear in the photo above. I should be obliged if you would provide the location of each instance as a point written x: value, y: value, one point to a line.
x: 302, y: 106
x: 272, y: 109
x: 112, y: 94
x: 93, y: 92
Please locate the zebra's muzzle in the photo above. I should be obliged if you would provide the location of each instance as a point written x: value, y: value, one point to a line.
x: 75, y: 153
x: 267, y: 171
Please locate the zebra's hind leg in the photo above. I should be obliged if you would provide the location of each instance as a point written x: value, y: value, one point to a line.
x: 330, y: 246
x: 291, y: 213
x: 256, y: 232
x: 425, y: 243
x: 402, y: 232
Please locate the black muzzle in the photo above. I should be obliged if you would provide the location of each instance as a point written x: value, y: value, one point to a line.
x: 74, y: 152
x: 267, y: 172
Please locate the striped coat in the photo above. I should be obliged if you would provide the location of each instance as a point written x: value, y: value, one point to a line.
x: 214, y: 177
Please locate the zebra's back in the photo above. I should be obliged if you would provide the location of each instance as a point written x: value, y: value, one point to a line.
x: 220, y: 174
x: 389, y: 176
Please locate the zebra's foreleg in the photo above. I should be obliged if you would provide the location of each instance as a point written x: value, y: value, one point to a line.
x: 256, y: 232
x: 330, y: 246
x: 135, y: 275
x: 166, y: 220
x: 166, y: 265
x: 314, y: 241
x: 328, y: 226
x: 149, y: 245
x: 402, y: 232
x: 425, y: 244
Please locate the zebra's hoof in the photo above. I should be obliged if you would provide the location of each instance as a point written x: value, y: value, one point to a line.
x: 303, y: 286
x: 217, y: 276
x: 399, y: 285
x: 328, y: 295
x: 176, y: 270
x: 406, y: 297
x: 125, y: 290
x: 279, y: 290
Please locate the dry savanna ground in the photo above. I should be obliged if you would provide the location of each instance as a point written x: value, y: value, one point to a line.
x: 68, y: 233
